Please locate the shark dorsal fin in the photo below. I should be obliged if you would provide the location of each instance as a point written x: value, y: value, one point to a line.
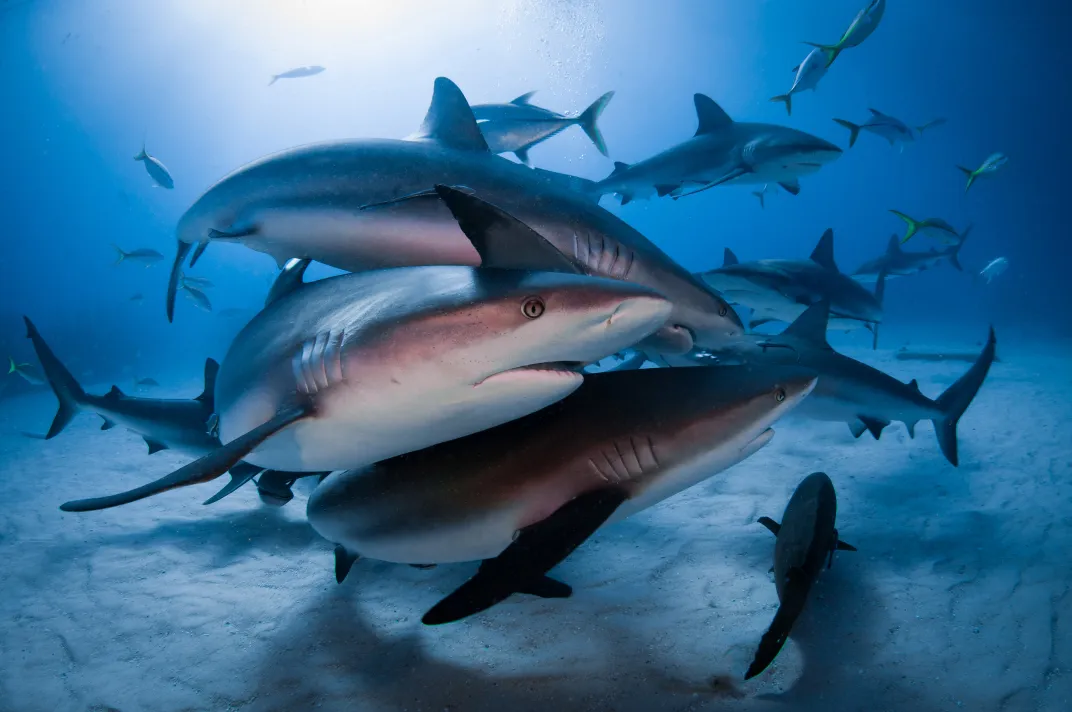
x: 524, y: 99
x: 876, y: 112
x: 211, y: 369
x: 823, y: 254
x: 114, y: 394
x: 450, y: 120
x: 711, y: 116
x: 619, y: 168
x: 893, y: 247
x: 914, y: 385
x: 811, y: 325
x: 729, y: 259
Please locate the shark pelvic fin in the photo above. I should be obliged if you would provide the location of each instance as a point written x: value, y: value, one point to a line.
x: 344, y: 561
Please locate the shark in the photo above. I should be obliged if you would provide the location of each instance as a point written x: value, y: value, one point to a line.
x: 520, y: 497
x: 899, y: 263
x: 722, y: 152
x: 855, y: 393
x: 372, y: 204
x: 360, y: 367
x: 519, y: 125
x: 805, y: 545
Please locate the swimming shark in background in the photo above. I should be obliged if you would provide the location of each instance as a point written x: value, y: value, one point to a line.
x: 518, y: 126
x: 990, y: 166
x: 898, y: 263
x: 862, y: 27
x: 808, y: 74
x: 370, y: 204
x: 155, y: 168
x: 888, y: 127
x: 297, y: 73
x: 523, y: 495
x: 722, y: 152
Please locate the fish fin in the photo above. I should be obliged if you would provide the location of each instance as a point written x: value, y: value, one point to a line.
x: 710, y: 116
x: 664, y: 190
x: 275, y: 78
x: 68, y: 392
x: 450, y: 120
x: 212, y: 369
x: 854, y: 130
x: 770, y: 524
x: 501, y: 240
x: 290, y: 279
x: 181, y: 251
x: 876, y: 112
x: 971, y: 177
x: 788, y: 99
x: 230, y: 234
x: 914, y: 385
x: 732, y: 175
x: 843, y: 546
x: 874, y: 425
x: 142, y: 155
x: 107, y: 424
x: 627, y: 198
x: 811, y: 325
x: 198, y: 251
x: 155, y: 446
x: 791, y: 186
x: 795, y: 69
x: 956, y: 399
x: 954, y: 253
x: 911, y: 428
x: 121, y: 255
x: 524, y: 99
x: 240, y: 474
x: 857, y: 428
x: 893, y: 247
x: 588, y: 121
x: 831, y: 51
x: 203, y: 469
x: 523, y: 155
x: 535, y: 550
x: 619, y: 168
x: 344, y: 561
x: 547, y: 587
x: 273, y: 486
x: 912, y: 223
x: 759, y: 194
x: 728, y: 258
x: 632, y: 363
x: 774, y: 639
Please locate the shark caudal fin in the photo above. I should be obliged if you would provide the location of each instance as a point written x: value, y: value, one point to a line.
x: 958, y: 397
x: 788, y: 99
x: 793, y: 598
x: 954, y: 253
x: 971, y: 176
x: 68, y: 392
x: 913, y: 225
x: 854, y: 130
x: 588, y: 119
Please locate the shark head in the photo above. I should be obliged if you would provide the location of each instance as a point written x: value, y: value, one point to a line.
x: 784, y: 153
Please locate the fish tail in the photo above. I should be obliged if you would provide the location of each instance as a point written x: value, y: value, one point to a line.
x: 971, y: 177
x: 587, y: 121
x: 954, y: 254
x: 854, y: 130
x: 69, y: 394
x: 119, y: 251
x: 832, y: 51
x: 912, y: 223
x: 13, y: 367
x: 788, y: 99
x: 958, y: 397
x: 275, y: 78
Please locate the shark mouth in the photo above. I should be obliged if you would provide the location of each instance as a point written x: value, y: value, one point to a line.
x: 568, y: 369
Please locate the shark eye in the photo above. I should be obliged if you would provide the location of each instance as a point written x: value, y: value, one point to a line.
x: 779, y: 395
x: 723, y: 310
x: 533, y: 307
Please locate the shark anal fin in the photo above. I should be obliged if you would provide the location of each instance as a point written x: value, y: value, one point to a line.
x: 154, y: 446
x: 536, y: 550
x: 344, y: 561
x: 770, y: 524
x: 911, y: 428
x: 874, y: 425
x: 664, y: 190
x: 240, y: 474
x: 857, y: 428
x: 201, y: 470
x: 792, y: 187
x: 107, y: 424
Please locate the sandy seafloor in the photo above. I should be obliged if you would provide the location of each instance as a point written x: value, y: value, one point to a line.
x: 958, y: 598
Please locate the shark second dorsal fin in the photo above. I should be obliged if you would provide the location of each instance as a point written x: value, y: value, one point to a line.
x: 114, y: 394
x: 729, y: 259
x: 524, y: 99
x: 711, y: 116
x: 449, y: 120
x: 211, y: 369
x: 893, y: 247
x: 811, y: 325
x: 823, y: 254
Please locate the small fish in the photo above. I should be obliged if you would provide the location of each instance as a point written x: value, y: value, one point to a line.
x: 809, y: 72
x: 197, y: 281
x: 142, y: 255
x: 931, y: 227
x: 990, y: 166
x: 863, y: 25
x: 137, y: 298
x: 888, y: 127
x: 23, y: 370
x: 155, y: 168
x: 197, y: 297
x: 760, y: 193
x: 297, y: 73
x: 994, y: 268
x: 146, y: 383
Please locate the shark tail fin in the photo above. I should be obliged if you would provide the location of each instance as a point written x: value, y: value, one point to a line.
x: 788, y: 99
x: 912, y: 223
x: 588, y: 121
x: 68, y: 392
x: 854, y: 130
x: 120, y: 255
x: 971, y: 176
x: 774, y: 639
x: 958, y: 397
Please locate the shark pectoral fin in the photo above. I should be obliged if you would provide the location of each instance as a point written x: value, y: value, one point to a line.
x: 536, y: 550
x: 240, y: 474
x: 198, y: 251
x: 107, y: 424
x: 547, y: 587
x: 450, y: 120
x: 857, y: 428
x: 770, y: 524
x: 791, y: 186
x: 664, y: 190
x: 344, y: 561
x: 500, y: 239
x: 874, y: 425
x: 201, y: 470
x: 155, y: 446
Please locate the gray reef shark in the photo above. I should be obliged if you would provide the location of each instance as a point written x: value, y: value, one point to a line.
x: 805, y: 545
x: 722, y: 151
x: 855, y: 393
x: 523, y: 495
x: 353, y: 369
x: 899, y: 263
x: 370, y: 204
x: 518, y: 126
